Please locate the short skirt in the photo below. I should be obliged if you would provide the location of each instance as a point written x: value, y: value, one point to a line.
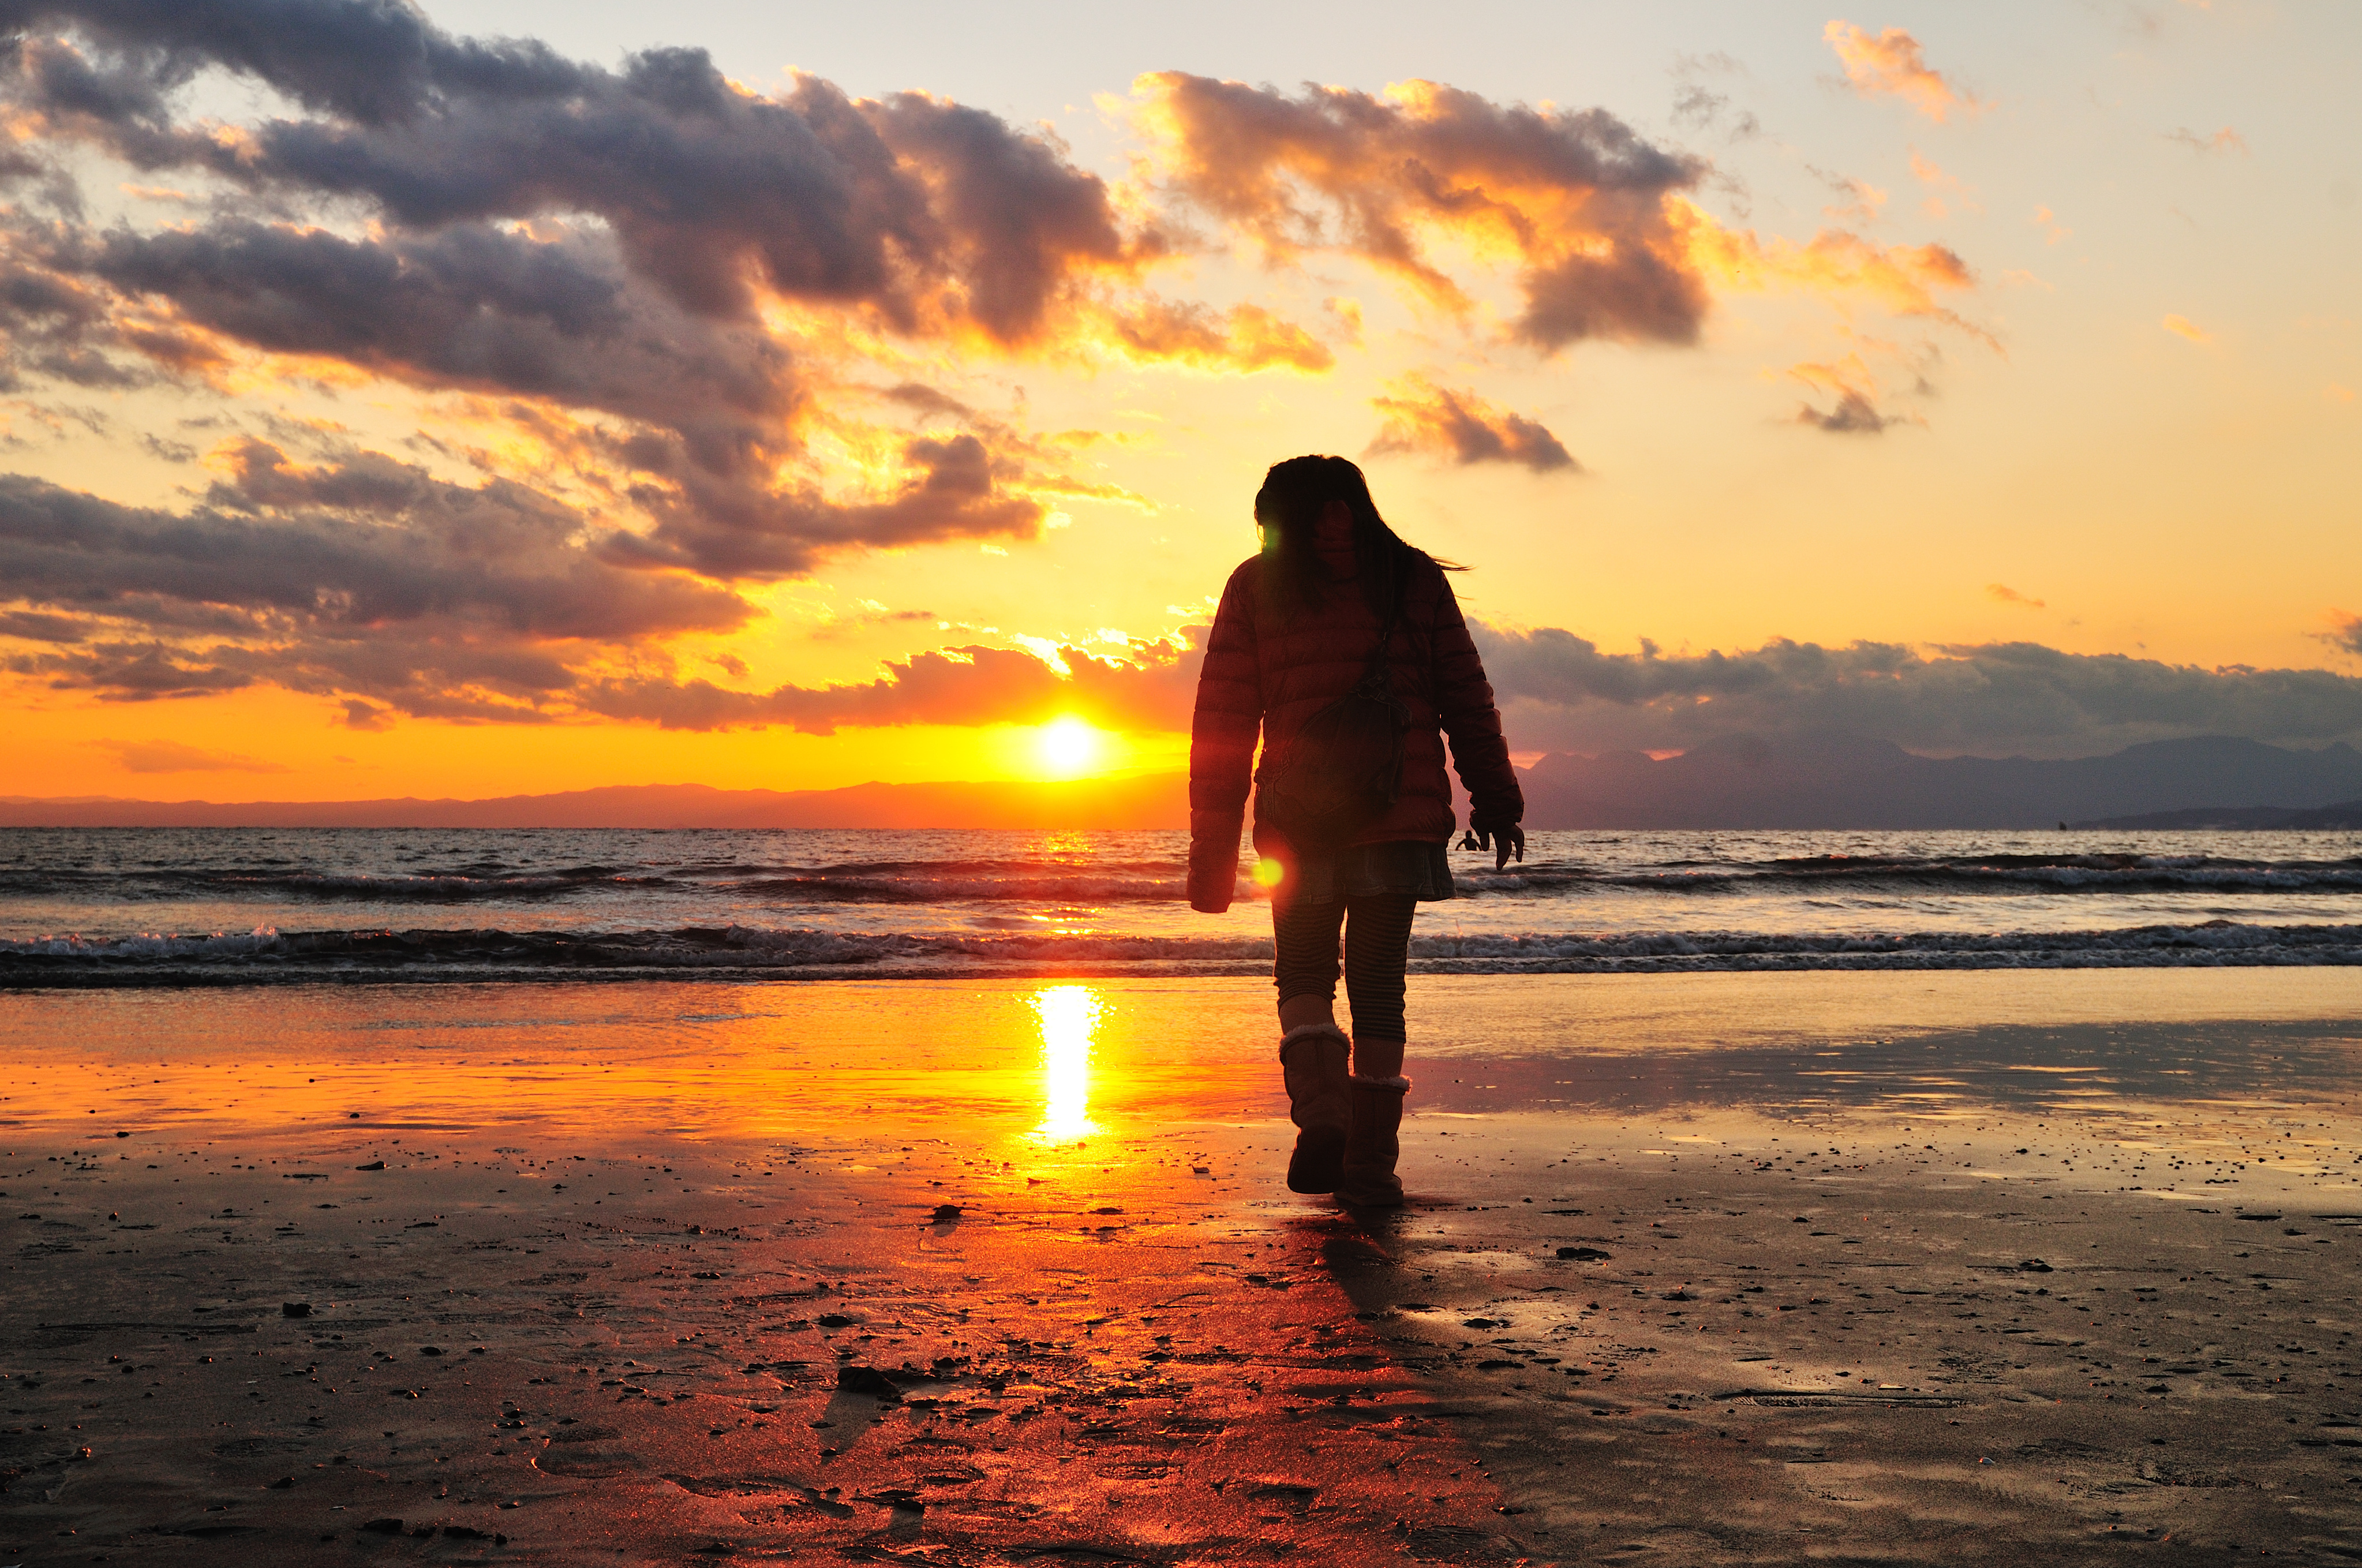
x: 1420, y: 867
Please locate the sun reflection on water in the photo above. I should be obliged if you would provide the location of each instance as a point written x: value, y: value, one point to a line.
x: 1070, y: 1020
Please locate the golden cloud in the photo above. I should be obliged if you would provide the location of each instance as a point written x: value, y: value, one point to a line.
x: 1891, y: 63
x: 1421, y: 416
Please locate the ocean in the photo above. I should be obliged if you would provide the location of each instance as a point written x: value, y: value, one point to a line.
x: 142, y: 906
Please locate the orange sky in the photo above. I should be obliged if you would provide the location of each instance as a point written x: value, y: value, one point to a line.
x: 587, y: 417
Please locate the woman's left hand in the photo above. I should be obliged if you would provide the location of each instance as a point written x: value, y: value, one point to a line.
x: 1502, y: 841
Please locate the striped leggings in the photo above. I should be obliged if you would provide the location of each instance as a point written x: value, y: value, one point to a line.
x: 1377, y: 949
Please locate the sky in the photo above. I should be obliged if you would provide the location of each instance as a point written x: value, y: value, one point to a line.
x: 517, y: 396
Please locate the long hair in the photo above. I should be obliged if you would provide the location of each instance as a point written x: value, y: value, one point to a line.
x: 1295, y: 494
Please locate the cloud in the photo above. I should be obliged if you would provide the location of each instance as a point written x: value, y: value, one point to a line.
x: 2001, y: 592
x: 1561, y: 692
x: 2223, y: 141
x: 174, y: 756
x: 2182, y: 326
x: 2344, y: 634
x: 1424, y: 417
x: 654, y: 272
x: 362, y: 577
x: 1854, y: 411
x: 1578, y: 198
x: 663, y: 336
x: 1151, y: 687
x: 1854, y: 414
x: 1891, y: 63
x: 933, y: 214
x: 1837, y: 265
x: 360, y: 714
x: 483, y: 605
x: 1244, y: 337
x: 1861, y: 202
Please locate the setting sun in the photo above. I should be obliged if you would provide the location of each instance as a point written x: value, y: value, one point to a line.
x: 1068, y: 747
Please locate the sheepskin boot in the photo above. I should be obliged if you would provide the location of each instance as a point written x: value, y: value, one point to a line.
x: 1374, y: 1143
x: 1312, y: 1060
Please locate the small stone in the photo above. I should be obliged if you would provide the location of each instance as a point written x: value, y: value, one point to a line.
x: 283, y: 1482
x: 382, y: 1527
x: 294, y: 1308
x: 946, y: 1213
x: 372, y: 1165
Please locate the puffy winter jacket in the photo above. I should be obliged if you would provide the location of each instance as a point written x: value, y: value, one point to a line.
x: 1269, y: 671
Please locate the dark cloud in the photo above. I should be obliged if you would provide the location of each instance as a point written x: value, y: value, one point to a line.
x: 371, y: 581
x: 952, y: 487
x: 1994, y: 699
x: 1854, y: 414
x: 712, y: 409
x: 1579, y: 196
x: 1458, y: 425
x: 130, y: 672
x: 303, y: 577
x: 34, y: 628
x: 1150, y: 687
x: 929, y: 212
x: 371, y: 60
x: 270, y: 544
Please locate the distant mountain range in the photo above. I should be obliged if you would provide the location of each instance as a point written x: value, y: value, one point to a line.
x: 1850, y: 781
x: 1827, y: 781
x: 2346, y: 814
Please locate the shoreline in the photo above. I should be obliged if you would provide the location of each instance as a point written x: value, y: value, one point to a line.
x: 434, y: 955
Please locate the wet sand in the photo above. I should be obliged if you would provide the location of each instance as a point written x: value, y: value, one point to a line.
x: 1819, y: 1268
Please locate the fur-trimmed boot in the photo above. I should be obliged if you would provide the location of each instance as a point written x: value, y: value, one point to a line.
x: 1312, y: 1061
x: 1374, y: 1142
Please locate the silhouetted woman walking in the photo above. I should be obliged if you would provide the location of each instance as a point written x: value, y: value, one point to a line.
x: 1344, y: 647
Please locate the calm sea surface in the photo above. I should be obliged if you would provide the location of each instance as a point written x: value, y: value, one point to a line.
x: 156, y: 905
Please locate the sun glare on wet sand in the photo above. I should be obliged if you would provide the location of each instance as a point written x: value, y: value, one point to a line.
x: 1070, y: 1019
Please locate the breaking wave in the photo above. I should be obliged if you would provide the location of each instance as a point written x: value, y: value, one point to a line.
x: 266, y: 955
x: 2098, y: 874
x: 1105, y: 879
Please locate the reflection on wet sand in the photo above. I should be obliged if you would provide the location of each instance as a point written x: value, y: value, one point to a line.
x: 1712, y: 1273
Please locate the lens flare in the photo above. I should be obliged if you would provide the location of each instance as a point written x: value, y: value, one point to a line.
x: 1070, y: 1020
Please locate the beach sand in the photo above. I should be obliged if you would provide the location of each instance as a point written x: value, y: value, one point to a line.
x: 1987, y: 1267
